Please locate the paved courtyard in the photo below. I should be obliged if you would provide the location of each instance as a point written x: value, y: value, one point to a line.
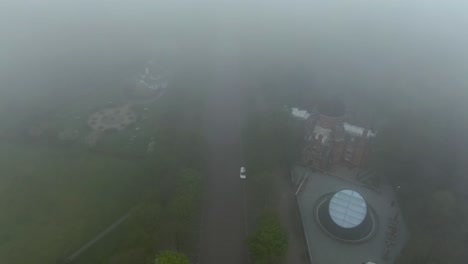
x: 383, y: 247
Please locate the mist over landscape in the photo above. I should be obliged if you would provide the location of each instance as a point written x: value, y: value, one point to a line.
x: 230, y: 68
x: 409, y: 46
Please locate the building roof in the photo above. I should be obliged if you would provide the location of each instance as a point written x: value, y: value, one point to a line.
x: 302, y: 114
x: 324, y: 132
x: 347, y: 208
x: 357, y: 131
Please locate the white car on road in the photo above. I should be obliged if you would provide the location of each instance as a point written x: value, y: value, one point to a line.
x: 242, y: 173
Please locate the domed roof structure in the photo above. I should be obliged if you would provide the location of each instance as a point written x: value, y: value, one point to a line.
x: 345, y: 215
x: 347, y: 208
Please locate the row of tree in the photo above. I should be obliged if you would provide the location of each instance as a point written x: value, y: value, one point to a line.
x: 267, y: 145
x: 421, y: 158
x: 167, y: 217
x: 156, y: 223
x: 171, y: 257
x: 268, y: 244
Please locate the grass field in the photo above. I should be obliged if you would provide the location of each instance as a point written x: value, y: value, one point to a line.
x: 52, y: 200
x: 56, y: 196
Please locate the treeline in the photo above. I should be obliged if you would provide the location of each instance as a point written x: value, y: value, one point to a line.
x: 270, y: 138
x: 157, y: 224
x: 168, y: 218
x: 418, y: 151
x: 268, y: 244
x: 267, y: 145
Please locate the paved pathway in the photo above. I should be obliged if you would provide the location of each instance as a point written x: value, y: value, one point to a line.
x: 98, y: 237
x: 290, y: 218
x: 223, y: 230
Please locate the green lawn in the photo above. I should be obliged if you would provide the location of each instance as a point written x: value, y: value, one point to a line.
x: 54, y: 197
x: 52, y: 200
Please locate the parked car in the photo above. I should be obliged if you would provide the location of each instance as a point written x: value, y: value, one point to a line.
x: 243, y: 173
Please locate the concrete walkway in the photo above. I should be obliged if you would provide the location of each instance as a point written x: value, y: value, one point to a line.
x: 290, y: 218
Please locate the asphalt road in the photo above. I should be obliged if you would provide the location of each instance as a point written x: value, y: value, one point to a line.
x: 223, y: 225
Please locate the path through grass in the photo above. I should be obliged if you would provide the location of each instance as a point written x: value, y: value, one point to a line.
x: 53, y: 200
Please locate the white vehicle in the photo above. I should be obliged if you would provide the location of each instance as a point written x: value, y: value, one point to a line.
x: 242, y: 173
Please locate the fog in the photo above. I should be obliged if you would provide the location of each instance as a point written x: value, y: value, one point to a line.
x: 392, y: 54
x: 402, y: 47
x: 405, y: 54
x: 402, y: 55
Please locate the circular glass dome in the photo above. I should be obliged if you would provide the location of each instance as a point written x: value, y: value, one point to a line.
x: 345, y: 215
x: 347, y: 209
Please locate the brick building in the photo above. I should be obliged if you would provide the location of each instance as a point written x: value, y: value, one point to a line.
x: 330, y: 140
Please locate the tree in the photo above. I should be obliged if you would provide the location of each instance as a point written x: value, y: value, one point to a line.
x: 268, y: 244
x: 184, y: 205
x: 187, y: 194
x: 267, y: 140
x: 171, y: 257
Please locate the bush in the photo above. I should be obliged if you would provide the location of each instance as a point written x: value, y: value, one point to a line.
x: 268, y: 244
x: 171, y: 257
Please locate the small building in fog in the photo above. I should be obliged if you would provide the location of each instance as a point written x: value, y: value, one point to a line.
x: 331, y: 140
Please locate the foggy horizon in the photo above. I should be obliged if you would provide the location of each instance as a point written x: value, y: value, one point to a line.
x: 406, y: 46
x: 400, y: 67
